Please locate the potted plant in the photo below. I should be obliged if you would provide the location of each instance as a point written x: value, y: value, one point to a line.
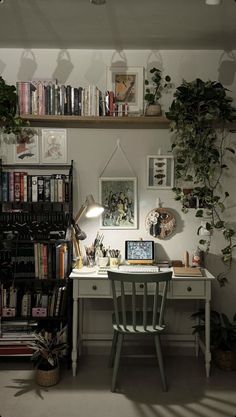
x: 199, y: 115
x: 154, y: 91
x: 222, y: 337
x: 48, y: 348
x: 10, y: 122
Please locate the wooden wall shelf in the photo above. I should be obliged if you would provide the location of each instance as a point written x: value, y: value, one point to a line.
x: 102, y: 122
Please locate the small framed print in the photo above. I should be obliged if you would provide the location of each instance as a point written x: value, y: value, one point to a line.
x: 119, y: 198
x: 27, y: 152
x: 127, y: 85
x: 160, y: 171
x: 54, y: 146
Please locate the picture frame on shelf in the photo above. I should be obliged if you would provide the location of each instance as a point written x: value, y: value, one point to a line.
x: 127, y: 83
x: 119, y: 198
x: 54, y: 146
x: 160, y: 171
x: 27, y: 152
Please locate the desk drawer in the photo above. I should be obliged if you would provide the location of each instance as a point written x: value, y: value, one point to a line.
x: 188, y: 289
x: 94, y: 288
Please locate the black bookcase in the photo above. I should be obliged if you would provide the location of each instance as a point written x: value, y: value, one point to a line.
x: 35, y: 252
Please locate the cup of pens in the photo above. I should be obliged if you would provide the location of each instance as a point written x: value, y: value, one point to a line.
x: 114, y: 258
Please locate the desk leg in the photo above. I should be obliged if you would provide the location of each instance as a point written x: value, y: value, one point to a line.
x: 75, y: 327
x: 207, y: 338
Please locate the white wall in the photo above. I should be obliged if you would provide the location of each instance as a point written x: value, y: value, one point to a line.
x: 91, y: 148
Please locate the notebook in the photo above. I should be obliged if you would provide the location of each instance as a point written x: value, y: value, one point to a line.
x: 180, y: 271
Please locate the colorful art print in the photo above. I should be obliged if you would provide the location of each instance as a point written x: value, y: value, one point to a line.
x: 54, y: 146
x: 119, y: 198
x: 27, y: 152
x: 127, y: 85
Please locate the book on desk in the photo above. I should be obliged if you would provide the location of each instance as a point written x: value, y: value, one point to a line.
x: 181, y: 271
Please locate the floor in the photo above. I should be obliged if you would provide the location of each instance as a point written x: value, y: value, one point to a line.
x: 139, y: 394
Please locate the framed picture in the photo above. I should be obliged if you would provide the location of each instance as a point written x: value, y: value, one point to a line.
x: 160, y: 171
x: 119, y: 198
x: 127, y: 85
x: 54, y: 146
x: 27, y: 152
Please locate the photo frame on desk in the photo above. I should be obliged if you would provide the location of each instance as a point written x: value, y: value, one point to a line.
x: 127, y: 85
x: 160, y: 171
x: 119, y: 198
x: 54, y: 146
x: 27, y: 152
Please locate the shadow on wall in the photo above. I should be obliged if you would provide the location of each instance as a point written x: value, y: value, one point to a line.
x: 64, y: 67
x: 28, y: 65
x: 227, y: 68
x: 2, y: 66
x: 93, y: 77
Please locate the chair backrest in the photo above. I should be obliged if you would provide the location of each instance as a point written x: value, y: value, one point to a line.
x: 139, y: 285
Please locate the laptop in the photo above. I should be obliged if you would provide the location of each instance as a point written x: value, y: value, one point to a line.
x: 139, y: 252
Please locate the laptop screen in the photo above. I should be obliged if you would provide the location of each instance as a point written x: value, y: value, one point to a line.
x: 139, y: 250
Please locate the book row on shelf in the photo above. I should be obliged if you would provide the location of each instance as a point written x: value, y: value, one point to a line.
x: 22, y: 302
x: 50, y: 98
x: 35, y: 261
x: 19, y: 186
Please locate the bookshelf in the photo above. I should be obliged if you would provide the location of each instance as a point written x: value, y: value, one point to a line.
x: 35, y: 253
x: 99, y: 122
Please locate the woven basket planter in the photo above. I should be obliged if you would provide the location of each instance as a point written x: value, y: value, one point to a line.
x: 225, y: 360
x: 47, y: 378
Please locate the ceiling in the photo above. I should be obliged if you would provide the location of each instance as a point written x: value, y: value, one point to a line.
x: 119, y: 24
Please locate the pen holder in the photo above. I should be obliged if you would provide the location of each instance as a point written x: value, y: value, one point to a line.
x: 114, y: 262
x: 102, y: 261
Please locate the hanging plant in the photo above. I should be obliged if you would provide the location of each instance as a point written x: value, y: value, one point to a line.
x: 10, y: 122
x: 199, y: 115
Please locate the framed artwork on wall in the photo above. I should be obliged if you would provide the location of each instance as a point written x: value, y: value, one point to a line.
x: 127, y: 85
x: 119, y: 198
x: 27, y: 152
x: 54, y: 146
x: 160, y: 171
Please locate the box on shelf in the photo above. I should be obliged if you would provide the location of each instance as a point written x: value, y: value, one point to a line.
x: 39, y: 312
x: 8, y: 312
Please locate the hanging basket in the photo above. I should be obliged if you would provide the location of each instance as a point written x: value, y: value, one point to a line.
x: 225, y: 360
x: 47, y: 378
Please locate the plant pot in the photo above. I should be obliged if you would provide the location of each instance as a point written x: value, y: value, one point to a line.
x: 225, y: 360
x: 47, y: 378
x: 153, y: 110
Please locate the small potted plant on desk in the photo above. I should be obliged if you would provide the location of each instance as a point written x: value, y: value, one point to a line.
x: 48, y: 348
x: 154, y: 91
x: 222, y: 338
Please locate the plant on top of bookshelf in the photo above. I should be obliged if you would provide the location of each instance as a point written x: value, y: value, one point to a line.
x: 10, y: 122
x: 199, y: 115
x: 154, y: 90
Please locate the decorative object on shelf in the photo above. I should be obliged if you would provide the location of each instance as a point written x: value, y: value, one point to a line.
x: 154, y: 90
x: 91, y: 209
x: 27, y: 152
x: 119, y: 198
x: 199, y: 115
x: 160, y: 223
x: 54, y: 146
x: 160, y: 171
x: 127, y: 85
x: 222, y: 337
x: 48, y: 348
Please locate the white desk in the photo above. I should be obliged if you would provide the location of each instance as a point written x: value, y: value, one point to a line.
x: 93, y: 285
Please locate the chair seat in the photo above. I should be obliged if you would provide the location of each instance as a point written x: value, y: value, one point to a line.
x: 129, y: 328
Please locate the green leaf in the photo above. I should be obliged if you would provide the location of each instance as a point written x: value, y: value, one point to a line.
x: 199, y: 213
x: 230, y: 150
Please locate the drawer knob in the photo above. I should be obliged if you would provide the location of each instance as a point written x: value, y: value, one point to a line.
x: 94, y: 287
x: 189, y: 289
x: 141, y: 286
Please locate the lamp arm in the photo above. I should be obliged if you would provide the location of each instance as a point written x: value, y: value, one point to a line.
x: 80, y: 213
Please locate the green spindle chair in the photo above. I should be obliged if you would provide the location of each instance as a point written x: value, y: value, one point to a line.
x: 133, y: 320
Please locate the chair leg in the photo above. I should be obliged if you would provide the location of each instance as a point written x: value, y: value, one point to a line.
x: 117, y: 361
x: 160, y: 361
x: 113, y: 349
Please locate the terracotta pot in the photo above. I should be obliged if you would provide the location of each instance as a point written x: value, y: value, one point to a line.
x: 153, y: 110
x: 225, y: 360
x: 47, y: 378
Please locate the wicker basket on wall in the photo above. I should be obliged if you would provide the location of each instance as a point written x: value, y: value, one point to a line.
x: 47, y: 378
x: 225, y: 360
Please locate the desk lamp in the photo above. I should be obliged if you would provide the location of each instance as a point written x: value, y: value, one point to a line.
x: 91, y: 209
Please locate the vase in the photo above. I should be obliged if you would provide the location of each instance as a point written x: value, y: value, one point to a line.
x: 48, y: 378
x: 225, y: 360
x: 153, y: 110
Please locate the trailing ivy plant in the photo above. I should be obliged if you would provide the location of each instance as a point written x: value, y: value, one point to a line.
x: 199, y: 115
x: 10, y: 122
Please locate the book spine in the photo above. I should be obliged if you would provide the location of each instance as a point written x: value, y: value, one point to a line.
x: 34, y: 188
x: 16, y: 186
